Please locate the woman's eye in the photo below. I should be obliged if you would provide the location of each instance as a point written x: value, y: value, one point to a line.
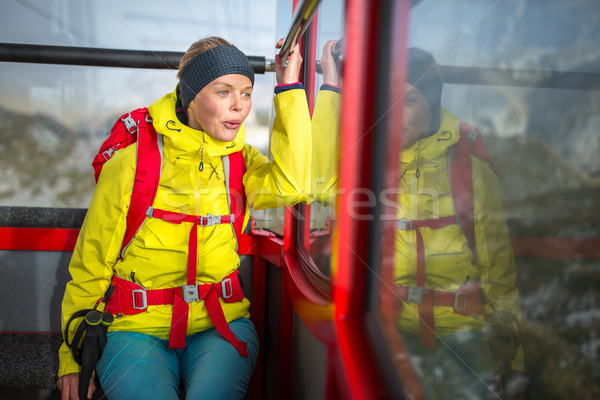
x: 246, y: 95
x: 223, y: 92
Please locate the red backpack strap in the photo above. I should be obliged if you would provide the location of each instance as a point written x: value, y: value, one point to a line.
x: 461, y: 184
x: 235, y: 168
x: 461, y: 177
x: 147, y: 176
x: 476, y: 146
x: 123, y: 133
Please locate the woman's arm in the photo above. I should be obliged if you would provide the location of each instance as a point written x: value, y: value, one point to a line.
x: 97, y: 246
x: 493, y: 247
x: 286, y: 179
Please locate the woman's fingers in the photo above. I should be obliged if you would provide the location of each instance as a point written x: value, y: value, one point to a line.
x: 289, y: 73
x: 91, y: 388
x: 292, y: 71
x: 328, y: 65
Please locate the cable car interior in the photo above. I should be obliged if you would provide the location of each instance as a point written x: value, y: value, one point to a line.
x: 321, y: 275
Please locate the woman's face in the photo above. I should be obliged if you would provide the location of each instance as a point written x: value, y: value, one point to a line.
x: 417, y: 116
x: 221, y: 106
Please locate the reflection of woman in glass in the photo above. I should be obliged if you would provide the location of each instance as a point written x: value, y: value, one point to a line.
x: 325, y: 126
x: 447, y: 285
x: 181, y: 317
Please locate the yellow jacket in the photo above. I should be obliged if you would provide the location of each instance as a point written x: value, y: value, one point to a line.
x: 325, y: 148
x: 424, y: 193
x: 157, y: 256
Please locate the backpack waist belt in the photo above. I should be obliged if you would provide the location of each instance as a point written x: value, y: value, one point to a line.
x: 229, y: 289
x: 426, y: 321
x: 465, y: 301
x: 130, y: 298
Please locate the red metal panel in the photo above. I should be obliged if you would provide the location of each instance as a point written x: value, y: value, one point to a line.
x: 64, y: 239
x: 258, y: 306
x: 575, y: 248
x: 286, y: 343
x: 40, y: 239
x: 387, y: 313
x: 357, y: 368
x: 269, y: 246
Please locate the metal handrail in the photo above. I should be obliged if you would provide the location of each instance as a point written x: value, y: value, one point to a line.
x: 102, y: 57
x: 302, y: 17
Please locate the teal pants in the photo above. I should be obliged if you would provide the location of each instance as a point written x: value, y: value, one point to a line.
x: 459, y: 367
x: 139, y: 366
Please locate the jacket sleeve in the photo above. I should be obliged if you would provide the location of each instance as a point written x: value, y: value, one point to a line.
x: 325, y: 135
x: 493, y: 247
x: 285, y: 180
x: 97, y: 247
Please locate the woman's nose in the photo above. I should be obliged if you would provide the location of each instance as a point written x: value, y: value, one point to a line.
x: 236, y: 102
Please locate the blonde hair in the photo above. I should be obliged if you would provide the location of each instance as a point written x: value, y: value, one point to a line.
x: 199, y: 47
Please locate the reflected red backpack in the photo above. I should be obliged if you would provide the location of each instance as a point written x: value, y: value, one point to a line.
x: 461, y: 176
x: 136, y: 127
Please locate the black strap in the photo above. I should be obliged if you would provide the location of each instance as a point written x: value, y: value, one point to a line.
x: 74, y: 344
x: 96, y: 326
x: 90, y: 354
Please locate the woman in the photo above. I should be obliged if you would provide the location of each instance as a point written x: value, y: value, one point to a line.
x: 208, y: 344
x: 448, y: 286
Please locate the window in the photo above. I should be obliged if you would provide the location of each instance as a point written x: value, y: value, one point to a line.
x: 526, y: 74
x: 53, y: 118
x: 318, y: 219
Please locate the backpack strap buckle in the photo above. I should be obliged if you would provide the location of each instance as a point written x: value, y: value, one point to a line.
x: 405, y: 224
x: 415, y: 295
x: 139, y: 301
x: 130, y: 124
x: 460, y: 301
x: 210, y: 220
x: 190, y: 293
x: 226, y: 292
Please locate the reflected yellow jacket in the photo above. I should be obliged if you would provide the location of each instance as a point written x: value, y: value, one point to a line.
x: 325, y: 148
x: 157, y: 257
x: 424, y: 193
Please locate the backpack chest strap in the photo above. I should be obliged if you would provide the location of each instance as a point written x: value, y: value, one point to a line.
x: 433, y: 223
x: 178, y: 218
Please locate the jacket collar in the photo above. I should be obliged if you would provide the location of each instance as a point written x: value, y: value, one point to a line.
x: 437, y: 144
x: 185, y: 141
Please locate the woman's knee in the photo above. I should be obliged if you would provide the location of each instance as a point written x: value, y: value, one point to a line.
x: 214, y: 368
x: 135, y: 365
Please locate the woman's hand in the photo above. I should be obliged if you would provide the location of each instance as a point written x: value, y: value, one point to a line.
x: 289, y: 74
x: 69, y: 387
x: 331, y: 75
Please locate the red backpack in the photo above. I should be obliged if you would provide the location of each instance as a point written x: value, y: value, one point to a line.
x: 137, y: 127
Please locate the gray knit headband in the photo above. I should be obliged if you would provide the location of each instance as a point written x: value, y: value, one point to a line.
x: 210, y: 65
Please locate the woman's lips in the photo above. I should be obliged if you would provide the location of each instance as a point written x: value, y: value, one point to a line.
x: 232, y: 124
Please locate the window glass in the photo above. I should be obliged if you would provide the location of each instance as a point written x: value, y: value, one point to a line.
x: 53, y: 118
x: 514, y: 313
x: 319, y: 218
